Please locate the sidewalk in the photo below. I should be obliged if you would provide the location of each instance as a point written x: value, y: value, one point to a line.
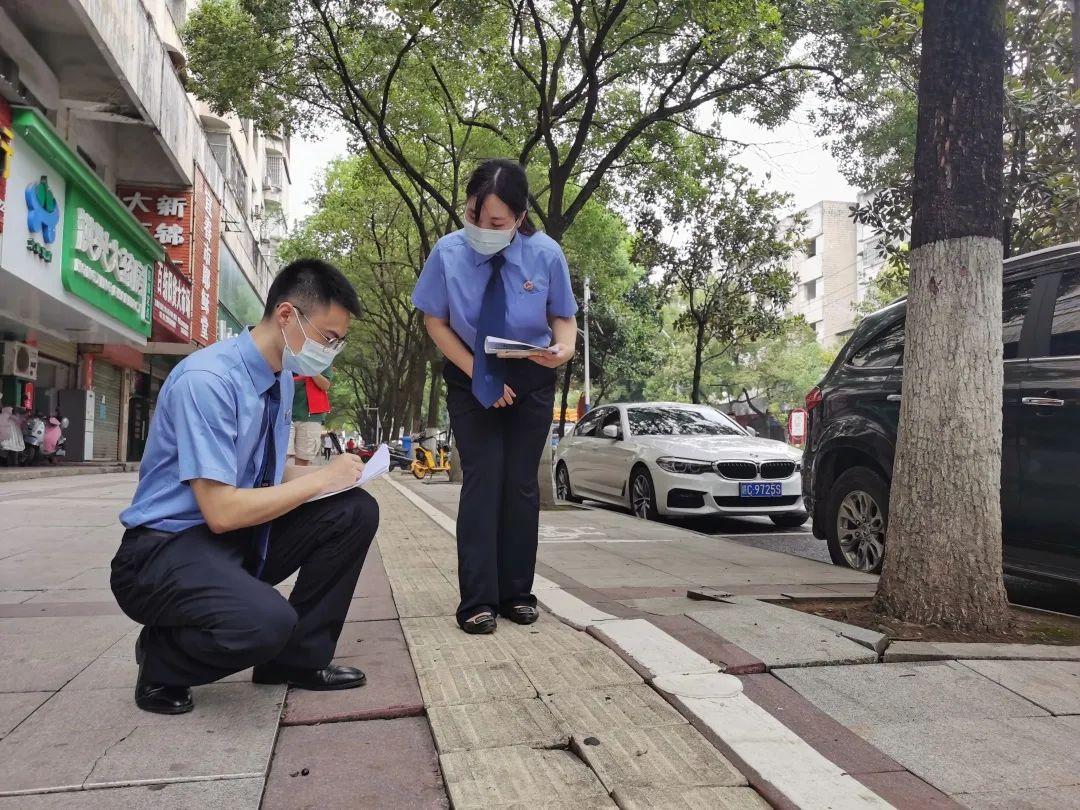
x: 919, y: 733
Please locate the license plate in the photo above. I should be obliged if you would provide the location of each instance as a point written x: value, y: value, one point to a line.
x: 760, y: 490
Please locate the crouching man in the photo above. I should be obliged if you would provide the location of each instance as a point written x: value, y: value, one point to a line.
x: 218, y: 519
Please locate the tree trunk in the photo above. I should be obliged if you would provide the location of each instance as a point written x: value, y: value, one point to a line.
x: 943, y: 548
x: 565, y: 397
x: 435, y: 392
x: 699, y: 350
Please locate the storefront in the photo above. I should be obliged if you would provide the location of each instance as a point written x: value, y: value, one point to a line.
x: 76, y: 271
x: 239, y: 306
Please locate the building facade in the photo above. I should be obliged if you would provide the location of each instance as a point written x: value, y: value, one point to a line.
x: 135, y: 226
x: 825, y: 269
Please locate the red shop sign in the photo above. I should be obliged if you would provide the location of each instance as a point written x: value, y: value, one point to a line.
x: 172, y: 303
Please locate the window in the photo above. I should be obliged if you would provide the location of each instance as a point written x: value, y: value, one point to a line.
x: 228, y: 159
x: 883, y: 351
x: 811, y: 248
x: 1014, y: 304
x: 681, y: 422
x: 1065, y: 333
x: 589, y: 425
x: 275, y: 168
x: 811, y: 289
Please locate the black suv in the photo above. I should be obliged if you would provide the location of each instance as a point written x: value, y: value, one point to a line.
x: 847, y: 464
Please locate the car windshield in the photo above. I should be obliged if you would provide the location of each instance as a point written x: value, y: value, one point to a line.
x: 681, y: 422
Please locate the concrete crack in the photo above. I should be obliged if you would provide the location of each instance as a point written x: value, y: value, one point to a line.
x: 105, y: 753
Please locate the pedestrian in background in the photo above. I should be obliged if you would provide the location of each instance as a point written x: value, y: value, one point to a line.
x: 327, y: 445
x: 311, y: 404
x: 498, y: 277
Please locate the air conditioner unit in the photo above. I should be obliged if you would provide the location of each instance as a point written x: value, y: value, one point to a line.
x: 20, y: 360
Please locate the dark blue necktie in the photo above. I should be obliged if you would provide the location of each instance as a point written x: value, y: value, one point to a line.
x: 266, y: 474
x: 489, y: 371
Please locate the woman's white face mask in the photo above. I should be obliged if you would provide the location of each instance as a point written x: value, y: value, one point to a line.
x: 488, y: 241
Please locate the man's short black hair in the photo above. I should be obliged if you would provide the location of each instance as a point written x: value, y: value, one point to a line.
x: 311, y: 284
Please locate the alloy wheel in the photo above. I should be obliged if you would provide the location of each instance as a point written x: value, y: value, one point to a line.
x: 641, y: 497
x: 860, y: 529
x: 562, y: 484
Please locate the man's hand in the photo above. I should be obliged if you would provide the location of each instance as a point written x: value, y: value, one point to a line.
x: 507, y: 398
x: 555, y: 356
x: 342, y: 472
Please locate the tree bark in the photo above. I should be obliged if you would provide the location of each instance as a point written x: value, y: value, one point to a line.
x: 435, y: 392
x: 699, y: 350
x: 943, y: 547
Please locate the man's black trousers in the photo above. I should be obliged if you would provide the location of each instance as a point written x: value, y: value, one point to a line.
x: 499, y: 512
x: 206, y: 616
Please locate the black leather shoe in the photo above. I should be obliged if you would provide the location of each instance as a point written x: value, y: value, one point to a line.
x: 328, y: 679
x: 479, y: 624
x: 521, y: 614
x: 159, y: 699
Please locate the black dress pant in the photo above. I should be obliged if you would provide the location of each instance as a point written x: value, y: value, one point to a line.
x: 499, y: 512
x: 207, y: 616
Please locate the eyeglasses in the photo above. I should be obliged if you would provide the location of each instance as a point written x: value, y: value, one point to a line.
x: 328, y: 342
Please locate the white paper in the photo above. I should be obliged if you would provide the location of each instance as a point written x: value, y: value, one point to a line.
x: 504, y: 347
x: 377, y: 466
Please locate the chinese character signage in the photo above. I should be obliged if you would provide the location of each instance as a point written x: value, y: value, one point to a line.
x: 172, y: 303
x: 7, y: 152
x: 206, y: 233
x: 167, y: 216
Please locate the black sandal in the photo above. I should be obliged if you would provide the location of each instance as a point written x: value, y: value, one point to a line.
x: 480, y: 624
x: 520, y: 614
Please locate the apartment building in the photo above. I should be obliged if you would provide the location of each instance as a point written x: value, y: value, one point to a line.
x: 134, y: 225
x: 825, y: 268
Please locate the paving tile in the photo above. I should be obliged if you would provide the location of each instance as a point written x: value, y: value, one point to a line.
x: 937, y: 651
x: 71, y: 741
x: 391, y: 689
x: 661, y: 756
x: 580, y: 670
x: 518, y: 777
x: 904, y: 789
x: 1059, y: 798
x: 17, y: 706
x: 438, y: 631
x: 828, y: 736
x: 932, y: 691
x: 667, y: 606
x: 235, y: 794
x: 731, y: 658
x: 1052, y: 685
x: 545, y: 638
x: 38, y: 654
x: 17, y: 597
x: 441, y: 601
x: 572, y: 610
x: 30, y: 610
x: 412, y: 579
x: 376, y: 764
x: 496, y: 724
x: 67, y: 595
x: 984, y: 756
x: 39, y: 569
x: 371, y: 608
x: 435, y: 658
x: 782, y: 637
x: 689, y: 798
x: 653, y: 592
x: 589, y: 710
x: 474, y: 684
x: 649, y: 650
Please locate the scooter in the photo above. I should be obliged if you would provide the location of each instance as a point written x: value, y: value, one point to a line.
x: 52, y: 445
x: 33, y: 435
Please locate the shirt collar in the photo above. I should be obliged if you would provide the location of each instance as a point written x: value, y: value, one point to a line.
x: 512, y: 253
x: 262, y: 376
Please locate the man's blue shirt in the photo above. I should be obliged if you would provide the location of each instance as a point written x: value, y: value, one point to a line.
x: 208, y: 424
x: 536, y: 277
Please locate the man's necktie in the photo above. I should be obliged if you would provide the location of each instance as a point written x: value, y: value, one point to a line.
x: 489, y: 371
x: 266, y: 474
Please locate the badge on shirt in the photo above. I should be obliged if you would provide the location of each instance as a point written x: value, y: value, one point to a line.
x: 529, y: 286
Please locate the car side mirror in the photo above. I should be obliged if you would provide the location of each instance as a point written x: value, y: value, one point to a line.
x: 751, y: 431
x: 611, y: 432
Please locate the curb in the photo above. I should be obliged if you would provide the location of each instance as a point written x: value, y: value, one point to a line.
x: 15, y: 475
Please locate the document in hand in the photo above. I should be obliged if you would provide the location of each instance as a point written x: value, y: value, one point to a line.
x: 377, y: 466
x: 504, y: 347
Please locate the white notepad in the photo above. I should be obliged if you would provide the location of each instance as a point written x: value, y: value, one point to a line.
x: 504, y: 347
x: 377, y: 466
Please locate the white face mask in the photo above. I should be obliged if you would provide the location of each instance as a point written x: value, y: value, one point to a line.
x: 486, y: 241
x: 313, y: 357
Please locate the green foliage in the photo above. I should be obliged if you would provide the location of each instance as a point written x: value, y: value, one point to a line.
x: 889, y: 284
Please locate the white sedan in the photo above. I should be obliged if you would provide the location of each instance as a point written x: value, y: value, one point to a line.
x: 661, y: 458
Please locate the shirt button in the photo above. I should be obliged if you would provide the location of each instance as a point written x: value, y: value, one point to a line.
x: 487, y: 378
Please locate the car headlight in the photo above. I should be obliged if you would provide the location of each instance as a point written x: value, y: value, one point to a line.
x: 684, y: 466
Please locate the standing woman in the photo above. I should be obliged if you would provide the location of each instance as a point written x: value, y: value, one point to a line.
x: 498, y: 277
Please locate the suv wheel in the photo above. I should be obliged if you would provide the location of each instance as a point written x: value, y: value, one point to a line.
x: 856, y: 518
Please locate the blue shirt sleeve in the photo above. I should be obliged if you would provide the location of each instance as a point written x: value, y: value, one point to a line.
x: 429, y: 295
x: 561, y: 302
x: 204, y: 417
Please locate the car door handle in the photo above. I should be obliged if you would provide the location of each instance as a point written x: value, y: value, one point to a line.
x: 894, y: 397
x: 1043, y: 402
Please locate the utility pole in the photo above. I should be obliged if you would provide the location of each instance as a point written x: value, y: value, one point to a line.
x: 588, y: 377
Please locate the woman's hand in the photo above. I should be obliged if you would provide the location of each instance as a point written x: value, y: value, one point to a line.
x: 556, y: 355
x: 507, y: 398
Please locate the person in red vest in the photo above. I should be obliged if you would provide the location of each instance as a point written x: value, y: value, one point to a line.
x: 311, y: 404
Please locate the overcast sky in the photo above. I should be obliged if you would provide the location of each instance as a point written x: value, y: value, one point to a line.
x: 795, y: 159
